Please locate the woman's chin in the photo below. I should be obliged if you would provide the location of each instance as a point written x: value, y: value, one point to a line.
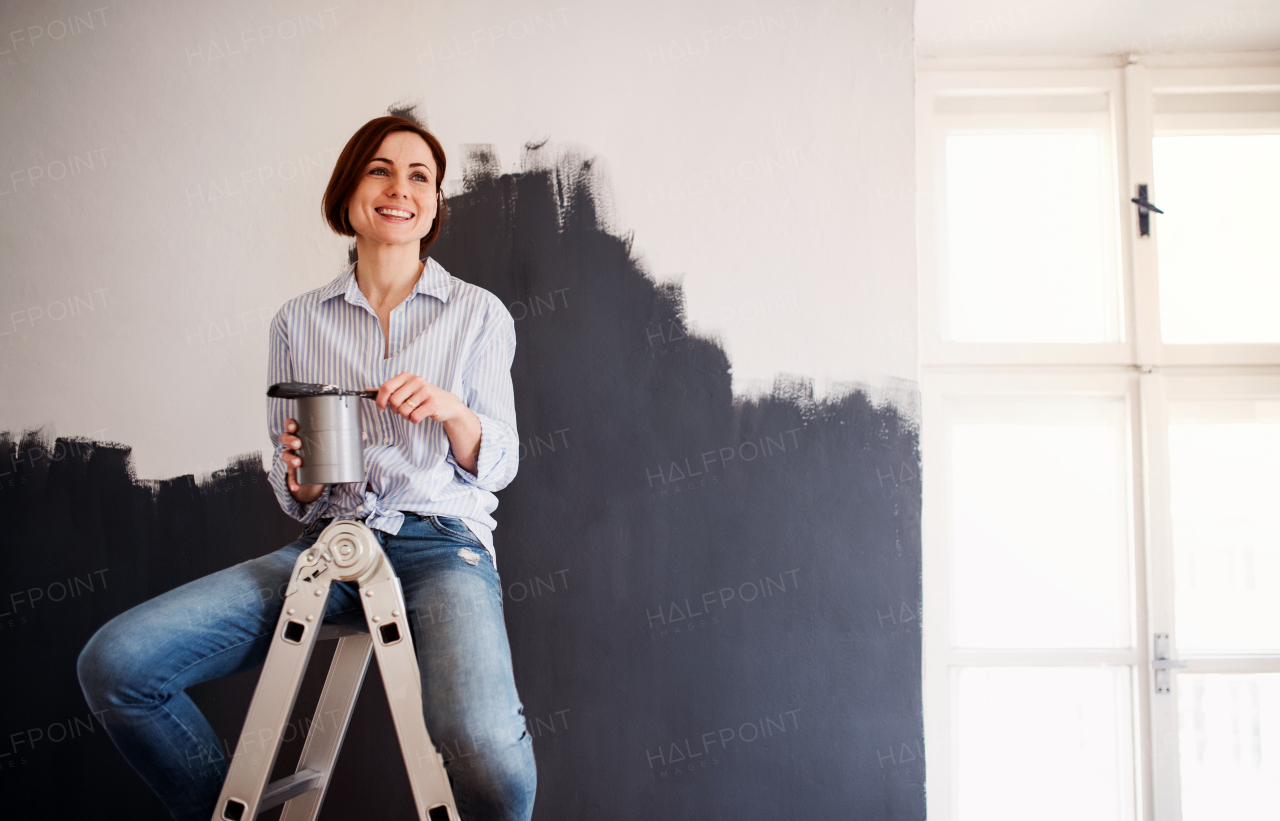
x: 383, y: 237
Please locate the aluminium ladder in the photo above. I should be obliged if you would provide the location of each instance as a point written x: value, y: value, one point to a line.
x: 346, y: 550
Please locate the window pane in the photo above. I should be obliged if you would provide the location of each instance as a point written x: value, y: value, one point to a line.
x: 1229, y: 735
x: 1219, y: 261
x: 1028, y: 255
x: 1049, y: 743
x: 1225, y: 497
x: 1039, y: 525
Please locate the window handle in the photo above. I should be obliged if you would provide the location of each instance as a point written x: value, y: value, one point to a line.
x: 1162, y: 664
x: 1144, y: 211
x: 1167, y: 664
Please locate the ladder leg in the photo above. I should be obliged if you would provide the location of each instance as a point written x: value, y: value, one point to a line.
x: 333, y: 714
x: 346, y: 551
x: 274, y: 696
x: 389, y: 628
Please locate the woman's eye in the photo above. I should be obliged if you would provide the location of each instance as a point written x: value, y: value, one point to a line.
x: 417, y: 176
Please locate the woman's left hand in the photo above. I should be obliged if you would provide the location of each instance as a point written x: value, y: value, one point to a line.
x: 416, y: 399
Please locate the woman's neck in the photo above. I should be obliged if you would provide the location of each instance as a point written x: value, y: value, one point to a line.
x: 386, y: 273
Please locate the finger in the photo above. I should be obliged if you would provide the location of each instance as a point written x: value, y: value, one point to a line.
x: 397, y: 397
x: 438, y: 404
x: 292, y: 459
x: 292, y: 442
x: 429, y: 408
x: 405, y: 393
x: 413, y: 403
x: 389, y: 387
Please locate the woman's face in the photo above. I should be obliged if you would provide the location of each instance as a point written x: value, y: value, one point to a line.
x: 395, y: 201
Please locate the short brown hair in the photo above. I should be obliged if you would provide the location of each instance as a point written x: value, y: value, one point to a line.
x: 349, y: 170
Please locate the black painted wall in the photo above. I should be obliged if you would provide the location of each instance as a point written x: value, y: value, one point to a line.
x: 713, y: 603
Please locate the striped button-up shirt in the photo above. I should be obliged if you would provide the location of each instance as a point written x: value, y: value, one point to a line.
x: 455, y: 335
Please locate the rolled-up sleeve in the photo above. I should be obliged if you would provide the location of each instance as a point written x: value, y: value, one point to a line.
x: 488, y: 392
x: 280, y: 369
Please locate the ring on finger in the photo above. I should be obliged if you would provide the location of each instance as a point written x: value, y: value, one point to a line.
x: 412, y: 405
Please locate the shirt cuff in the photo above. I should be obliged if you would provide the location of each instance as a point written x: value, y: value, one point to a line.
x: 307, y: 513
x: 312, y: 511
x: 496, y: 449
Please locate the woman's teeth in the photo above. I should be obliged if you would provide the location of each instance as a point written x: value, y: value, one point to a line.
x: 392, y: 212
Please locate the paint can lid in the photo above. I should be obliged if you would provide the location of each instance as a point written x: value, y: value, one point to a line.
x: 301, y: 390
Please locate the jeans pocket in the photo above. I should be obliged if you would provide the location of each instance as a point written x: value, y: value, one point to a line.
x: 451, y: 526
x: 315, y: 528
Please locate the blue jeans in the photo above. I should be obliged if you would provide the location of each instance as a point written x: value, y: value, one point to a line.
x: 138, y: 665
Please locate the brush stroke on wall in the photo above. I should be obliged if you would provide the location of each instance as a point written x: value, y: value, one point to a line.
x: 713, y: 602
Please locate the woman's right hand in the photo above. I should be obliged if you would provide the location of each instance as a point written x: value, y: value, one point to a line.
x: 303, y: 494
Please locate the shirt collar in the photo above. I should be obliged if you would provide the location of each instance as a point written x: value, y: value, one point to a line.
x: 435, y: 280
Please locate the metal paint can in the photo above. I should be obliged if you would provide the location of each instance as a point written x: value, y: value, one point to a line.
x: 332, y: 440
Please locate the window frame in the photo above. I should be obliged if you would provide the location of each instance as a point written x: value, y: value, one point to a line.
x: 929, y: 173
x: 1158, y: 391
x: 1149, y: 372
x: 940, y: 659
x: 1142, y: 86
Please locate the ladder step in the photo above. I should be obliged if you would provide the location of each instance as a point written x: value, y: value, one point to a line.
x: 338, y: 631
x: 278, y: 792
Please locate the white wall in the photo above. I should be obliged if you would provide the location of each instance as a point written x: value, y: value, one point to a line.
x: 160, y: 193
x: 1149, y: 28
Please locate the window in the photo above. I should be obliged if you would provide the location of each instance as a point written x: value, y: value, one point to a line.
x: 1101, y: 435
x: 1217, y: 249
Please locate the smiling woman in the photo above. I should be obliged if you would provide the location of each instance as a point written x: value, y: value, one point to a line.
x: 441, y: 442
x: 386, y: 148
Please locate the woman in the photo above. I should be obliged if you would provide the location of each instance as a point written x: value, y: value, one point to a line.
x: 438, y: 444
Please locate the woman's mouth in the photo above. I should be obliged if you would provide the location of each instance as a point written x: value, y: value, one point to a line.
x: 394, y: 214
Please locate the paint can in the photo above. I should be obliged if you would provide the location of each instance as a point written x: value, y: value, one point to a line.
x: 332, y: 441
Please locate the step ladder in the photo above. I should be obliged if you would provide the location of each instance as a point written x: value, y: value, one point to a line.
x: 346, y: 550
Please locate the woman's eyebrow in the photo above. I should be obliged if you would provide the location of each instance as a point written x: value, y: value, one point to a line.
x: 411, y: 165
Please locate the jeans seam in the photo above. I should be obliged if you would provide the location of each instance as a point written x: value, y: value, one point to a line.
x: 190, y: 735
